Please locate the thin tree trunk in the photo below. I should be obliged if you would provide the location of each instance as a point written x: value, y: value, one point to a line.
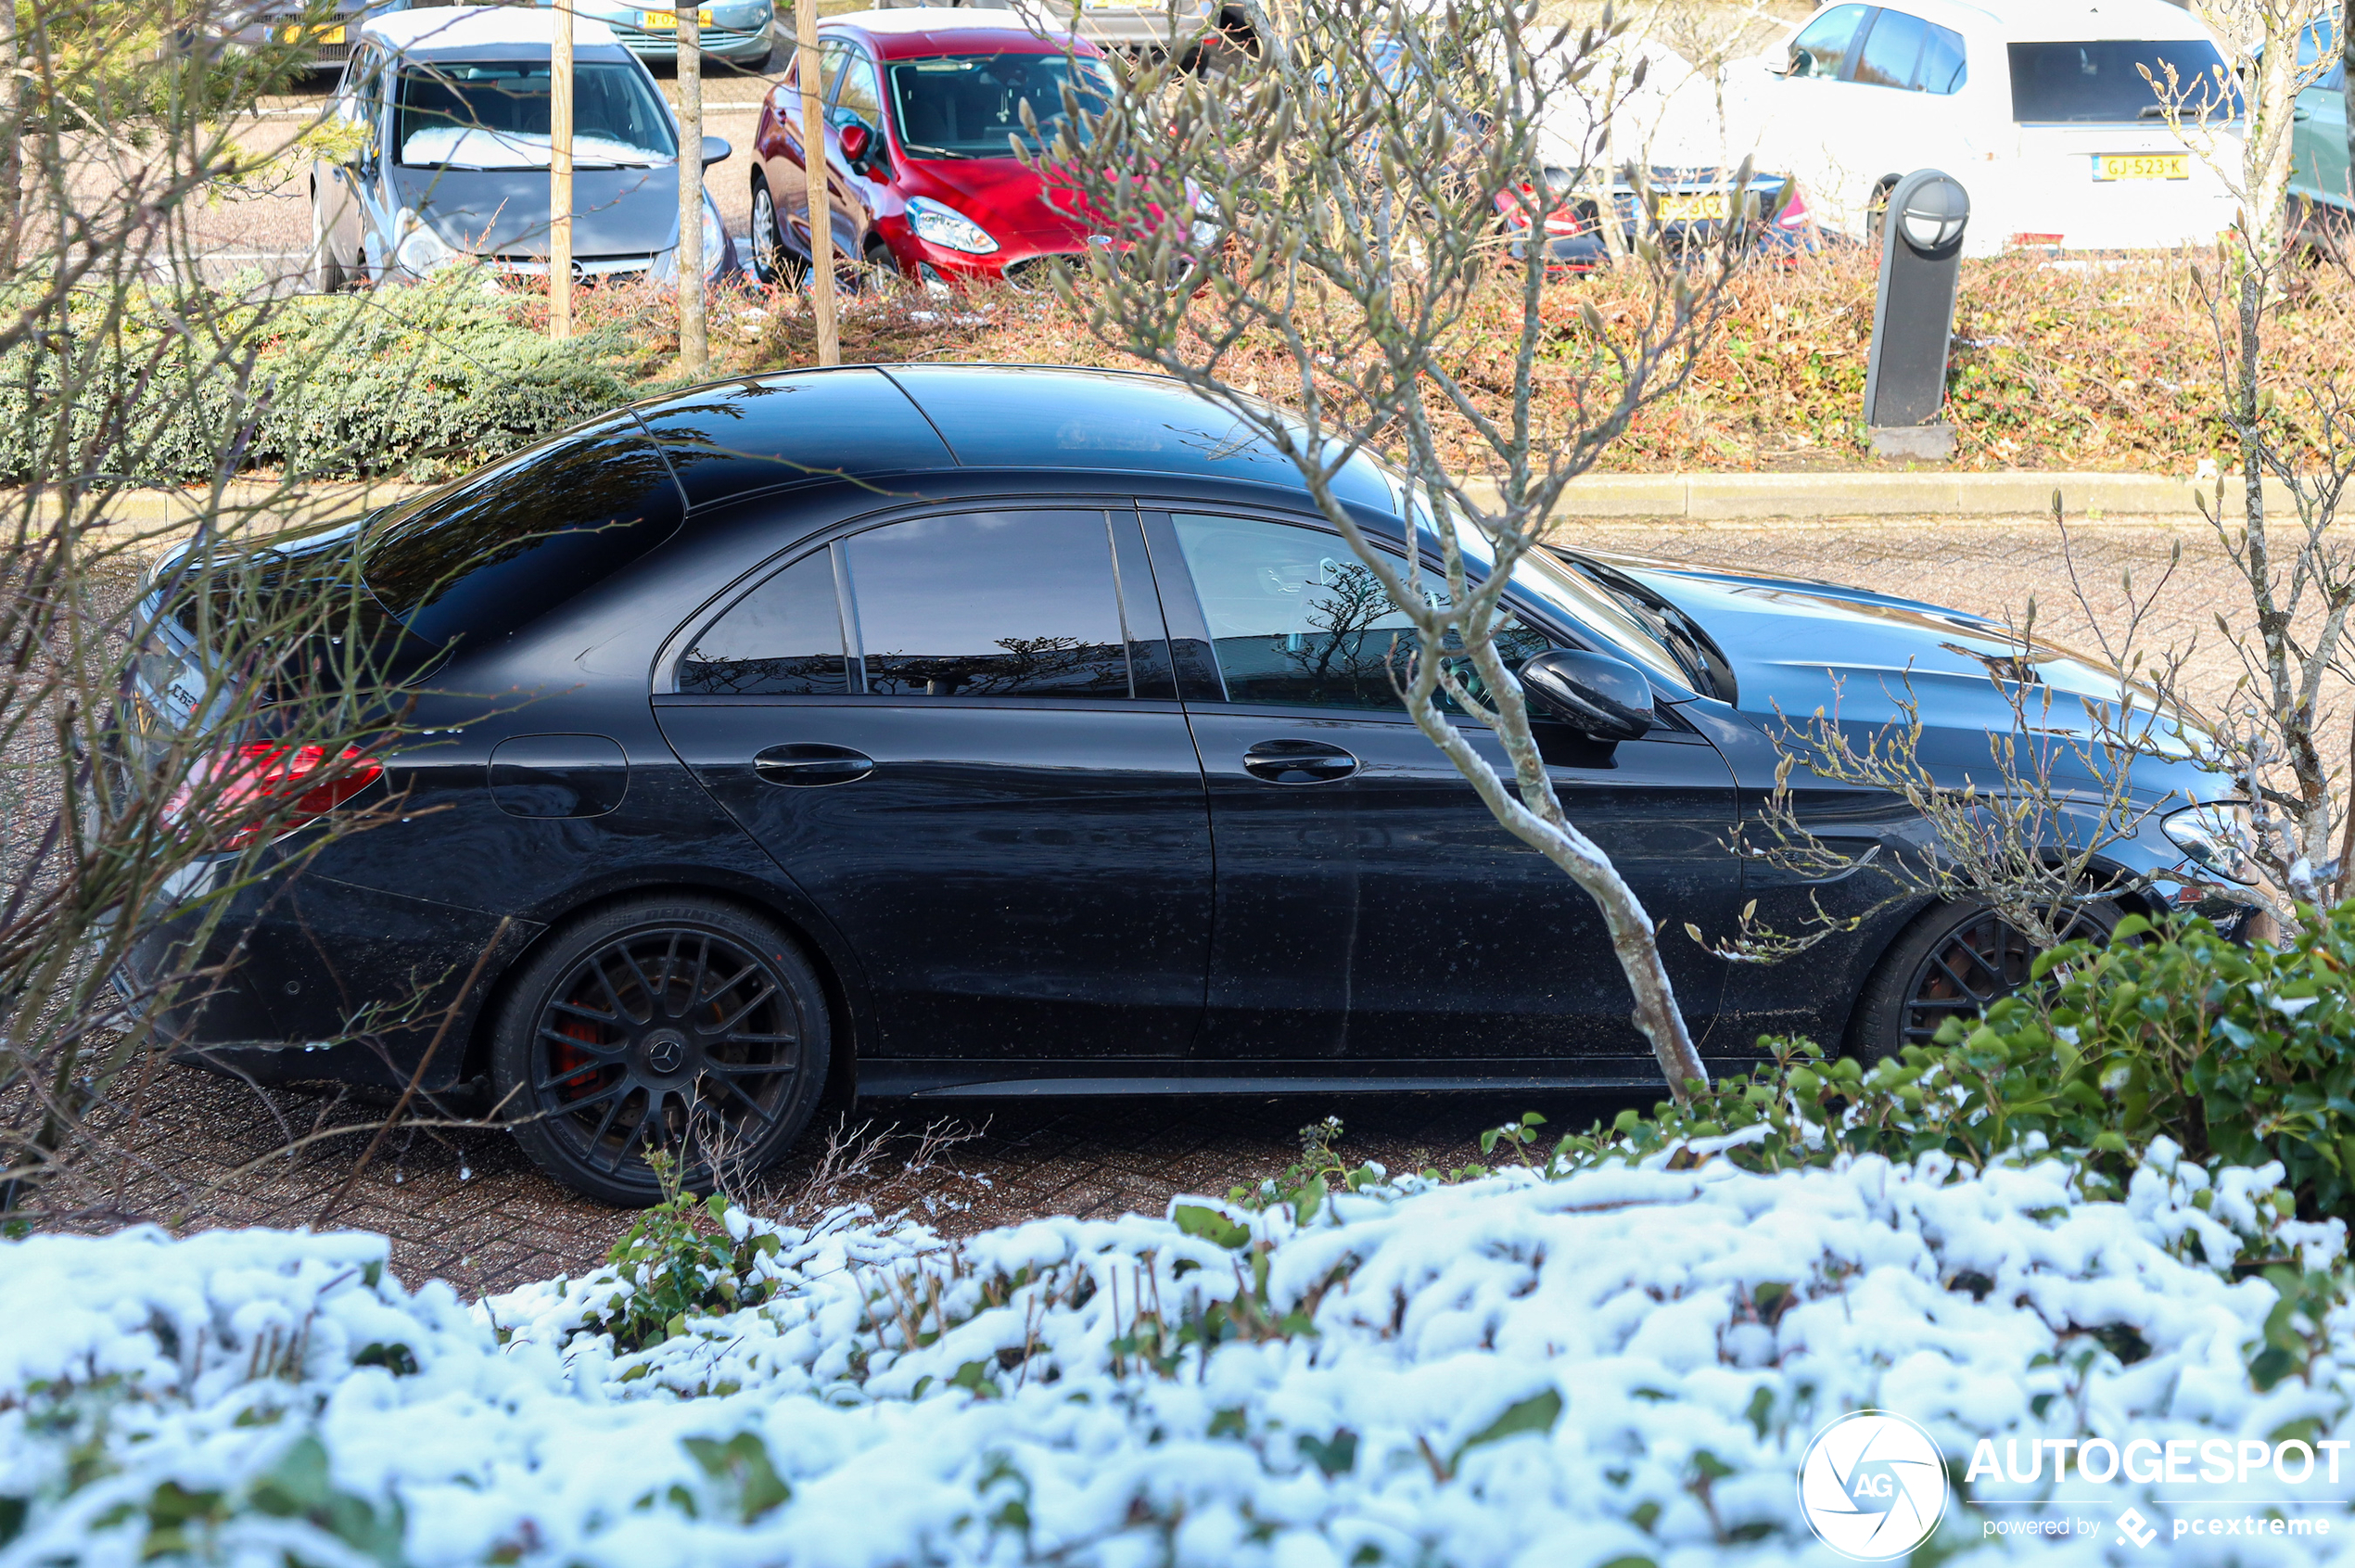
x: 694, y: 352
x: 559, y: 174
x: 813, y: 163
x: 11, y: 143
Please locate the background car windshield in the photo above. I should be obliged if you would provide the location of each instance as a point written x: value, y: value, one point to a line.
x: 2100, y: 81
x: 970, y: 105
x: 494, y: 115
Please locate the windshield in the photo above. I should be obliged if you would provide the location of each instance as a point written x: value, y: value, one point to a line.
x: 970, y: 105
x: 494, y: 114
x: 2101, y: 82
x: 1617, y: 617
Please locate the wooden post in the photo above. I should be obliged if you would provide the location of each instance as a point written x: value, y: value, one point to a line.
x: 559, y: 174
x: 695, y: 352
x: 813, y: 163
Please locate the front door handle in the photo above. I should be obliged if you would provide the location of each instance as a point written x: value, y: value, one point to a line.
x: 807, y: 763
x: 1298, y: 762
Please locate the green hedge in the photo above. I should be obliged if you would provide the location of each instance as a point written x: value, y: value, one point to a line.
x: 2238, y: 1056
x: 414, y: 383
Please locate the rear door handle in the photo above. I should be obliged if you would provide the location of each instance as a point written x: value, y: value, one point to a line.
x: 1298, y: 762
x: 808, y: 763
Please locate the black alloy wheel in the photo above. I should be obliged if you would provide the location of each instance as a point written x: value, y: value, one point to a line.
x: 1953, y: 961
x: 685, y: 1025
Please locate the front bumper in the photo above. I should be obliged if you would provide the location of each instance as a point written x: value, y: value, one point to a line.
x: 739, y: 47
x: 1014, y: 261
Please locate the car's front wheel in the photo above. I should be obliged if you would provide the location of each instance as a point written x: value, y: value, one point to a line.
x: 682, y: 1025
x: 326, y: 277
x: 1951, y: 962
x: 771, y: 262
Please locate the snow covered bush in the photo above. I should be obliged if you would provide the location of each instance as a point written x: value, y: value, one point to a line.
x: 1621, y: 1366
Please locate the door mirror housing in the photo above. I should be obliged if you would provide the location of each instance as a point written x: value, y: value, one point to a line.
x: 860, y: 148
x: 716, y: 150
x: 1593, y: 693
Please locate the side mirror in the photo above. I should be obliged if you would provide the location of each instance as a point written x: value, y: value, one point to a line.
x: 860, y: 148
x: 1593, y: 693
x: 716, y: 150
x: 1799, y: 64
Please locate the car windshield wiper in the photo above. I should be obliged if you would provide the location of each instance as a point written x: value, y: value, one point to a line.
x: 936, y: 152
x: 1704, y: 663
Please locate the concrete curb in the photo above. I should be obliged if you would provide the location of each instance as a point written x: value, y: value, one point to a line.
x: 1913, y: 493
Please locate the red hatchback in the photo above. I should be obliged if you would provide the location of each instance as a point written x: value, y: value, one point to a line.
x: 923, y: 108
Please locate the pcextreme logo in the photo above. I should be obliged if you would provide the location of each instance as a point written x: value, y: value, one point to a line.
x: 1873, y: 1486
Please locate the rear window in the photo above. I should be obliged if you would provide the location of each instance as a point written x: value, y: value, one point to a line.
x: 487, y: 555
x: 2102, y: 82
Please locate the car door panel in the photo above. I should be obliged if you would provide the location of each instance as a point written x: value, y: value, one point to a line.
x: 1369, y: 907
x: 1388, y: 916
x: 1024, y: 874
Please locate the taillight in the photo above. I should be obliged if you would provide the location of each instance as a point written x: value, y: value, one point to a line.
x: 1794, y: 212
x: 1516, y: 206
x: 255, y: 781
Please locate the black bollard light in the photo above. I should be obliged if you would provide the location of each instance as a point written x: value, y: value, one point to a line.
x: 1914, y: 316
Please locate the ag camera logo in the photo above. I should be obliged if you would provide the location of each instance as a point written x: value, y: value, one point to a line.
x: 1873, y: 1486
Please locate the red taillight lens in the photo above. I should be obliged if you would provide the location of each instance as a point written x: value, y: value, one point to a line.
x: 1518, y: 205
x: 254, y: 780
x: 1794, y: 212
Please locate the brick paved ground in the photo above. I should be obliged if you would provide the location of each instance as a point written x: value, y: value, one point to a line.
x: 463, y: 1204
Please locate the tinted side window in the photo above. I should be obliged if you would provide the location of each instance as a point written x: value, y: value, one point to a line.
x: 2320, y: 41
x: 988, y: 604
x: 860, y: 95
x: 1822, y: 48
x: 1945, y: 66
x: 1295, y: 619
x: 2104, y: 81
x: 781, y: 640
x: 1892, y: 50
x: 483, y: 557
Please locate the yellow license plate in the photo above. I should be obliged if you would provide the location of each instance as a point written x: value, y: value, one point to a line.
x: 312, y: 35
x: 668, y: 21
x: 2141, y: 166
x: 1705, y: 208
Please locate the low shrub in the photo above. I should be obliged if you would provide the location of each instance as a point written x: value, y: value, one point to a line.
x: 2237, y: 1056
x: 415, y: 383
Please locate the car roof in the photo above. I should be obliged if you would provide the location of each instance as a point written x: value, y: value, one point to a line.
x: 732, y: 439
x: 909, y: 31
x: 468, y: 28
x: 2034, y: 20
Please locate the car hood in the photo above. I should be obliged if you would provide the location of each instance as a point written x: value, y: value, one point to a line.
x: 504, y: 212
x: 1002, y: 196
x: 1796, y: 645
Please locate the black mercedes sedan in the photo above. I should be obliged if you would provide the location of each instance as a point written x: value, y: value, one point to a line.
x: 979, y: 731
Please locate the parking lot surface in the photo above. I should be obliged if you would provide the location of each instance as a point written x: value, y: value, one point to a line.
x: 463, y: 1204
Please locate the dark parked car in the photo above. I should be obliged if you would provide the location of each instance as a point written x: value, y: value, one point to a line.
x: 982, y: 732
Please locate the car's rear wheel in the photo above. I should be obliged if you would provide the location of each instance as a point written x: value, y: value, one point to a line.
x: 683, y: 1025
x: 1951, y: 962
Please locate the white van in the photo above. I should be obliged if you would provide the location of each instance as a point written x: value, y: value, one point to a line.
x: 2042, y: 112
